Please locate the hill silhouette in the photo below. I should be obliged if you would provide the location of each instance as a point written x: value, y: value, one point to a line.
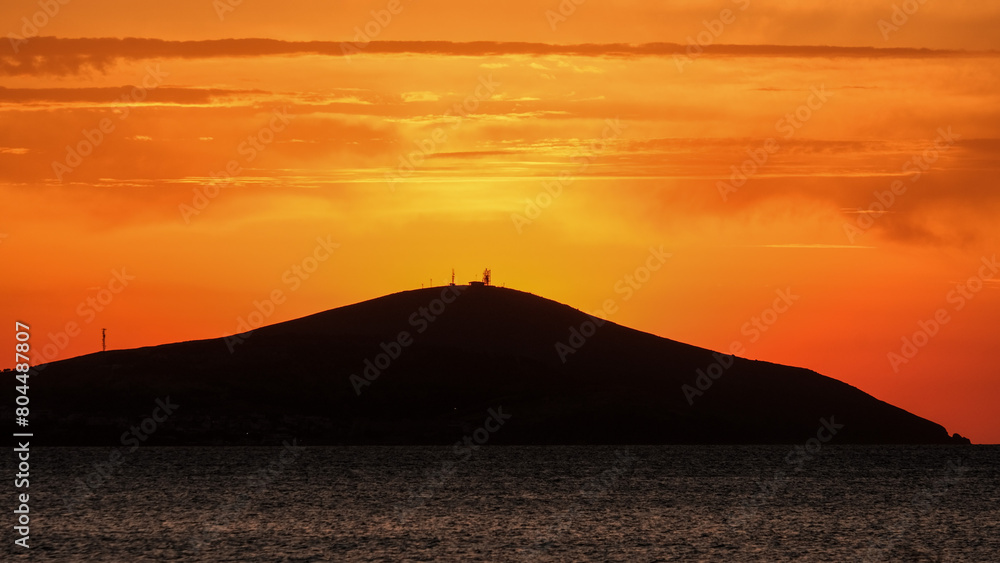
x: 430, y: 366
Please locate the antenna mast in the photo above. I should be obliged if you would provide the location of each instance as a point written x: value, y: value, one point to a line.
x: 104, y: 340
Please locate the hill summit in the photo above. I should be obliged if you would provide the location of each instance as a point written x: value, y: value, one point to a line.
x: 437, y: 365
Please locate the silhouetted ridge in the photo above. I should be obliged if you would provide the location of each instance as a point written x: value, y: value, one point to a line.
x: 488, y: 348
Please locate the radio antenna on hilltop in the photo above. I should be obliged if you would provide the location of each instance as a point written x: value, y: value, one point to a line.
x: 486, y: 276
x: 453, y: 276
x: 104, y: 340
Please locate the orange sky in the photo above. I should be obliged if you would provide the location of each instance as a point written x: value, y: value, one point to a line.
x: 485, y: 105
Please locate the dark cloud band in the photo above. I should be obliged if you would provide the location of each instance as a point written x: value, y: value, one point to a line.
x: 60, y: 56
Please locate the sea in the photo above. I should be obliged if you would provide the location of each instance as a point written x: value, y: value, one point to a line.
x: 509, y: 503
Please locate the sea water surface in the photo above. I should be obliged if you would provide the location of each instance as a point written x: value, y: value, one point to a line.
x: 639, y: 503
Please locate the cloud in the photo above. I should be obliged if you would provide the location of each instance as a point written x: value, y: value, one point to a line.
x: 63, y: 56
x: 423, y: 96
x: 809, y: 246
x: 107, y: 95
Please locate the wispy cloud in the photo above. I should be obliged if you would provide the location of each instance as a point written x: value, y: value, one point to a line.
x: 192, y: 96
x: 809, y: 246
